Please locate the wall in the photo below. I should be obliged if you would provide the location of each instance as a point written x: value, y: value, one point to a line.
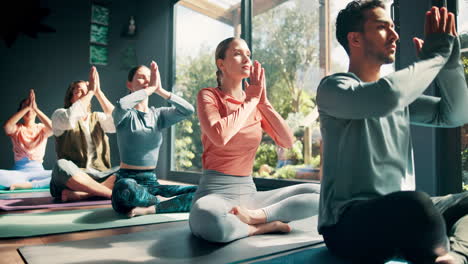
x: 154, y: 43
x: 50, y: 62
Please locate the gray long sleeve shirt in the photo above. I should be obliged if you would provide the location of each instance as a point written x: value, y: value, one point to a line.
x: 139, y: 134
x: 366, y: 125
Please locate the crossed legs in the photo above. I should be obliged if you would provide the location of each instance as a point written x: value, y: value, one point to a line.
x: 81, y: 186
x: 70, y: 183
x: 224, y: 218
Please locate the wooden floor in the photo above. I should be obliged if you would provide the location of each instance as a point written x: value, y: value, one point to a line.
x: 8, y: 247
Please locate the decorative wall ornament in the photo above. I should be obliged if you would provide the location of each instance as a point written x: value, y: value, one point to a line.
x: 130, y: 29
x: 99, y: 31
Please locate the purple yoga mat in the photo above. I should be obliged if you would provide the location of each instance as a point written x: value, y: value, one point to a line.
x: 44, y: 202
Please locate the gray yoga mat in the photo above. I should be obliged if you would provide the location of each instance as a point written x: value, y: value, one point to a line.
x: 20, y: 195
x: 34, y: 224
x: 171, y: 244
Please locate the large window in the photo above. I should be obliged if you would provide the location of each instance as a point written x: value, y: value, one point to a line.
x: 287, y: 41
x: 463, y: 32
x: 298, y: 48
x: 295, y: 42
x: 199, y: 26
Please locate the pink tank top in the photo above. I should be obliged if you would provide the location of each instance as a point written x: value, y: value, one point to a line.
x: 29, y: 142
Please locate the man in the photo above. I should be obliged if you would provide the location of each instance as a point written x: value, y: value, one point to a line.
x: 369, y: 211
x: 83, y: 169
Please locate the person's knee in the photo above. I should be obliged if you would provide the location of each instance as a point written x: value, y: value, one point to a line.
x: 209, y: 222
x: 64, y: 170
x: 123, y: 194
x: 423, y: 221
x: 417, y: 203
x: 309, y: 188
x: 59, y: 177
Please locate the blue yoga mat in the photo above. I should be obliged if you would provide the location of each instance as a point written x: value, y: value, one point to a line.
x: 318, y: 254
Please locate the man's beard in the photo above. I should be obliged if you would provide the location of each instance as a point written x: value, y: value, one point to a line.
x: 386, y: 59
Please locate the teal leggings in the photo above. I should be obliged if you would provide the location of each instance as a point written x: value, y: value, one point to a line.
x: 138, y: 188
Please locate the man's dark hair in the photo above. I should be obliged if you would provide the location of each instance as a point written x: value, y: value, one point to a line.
x: 351, y: 19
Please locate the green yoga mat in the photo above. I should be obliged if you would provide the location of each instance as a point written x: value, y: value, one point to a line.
x: 35, y: 224
x: 25, y: 190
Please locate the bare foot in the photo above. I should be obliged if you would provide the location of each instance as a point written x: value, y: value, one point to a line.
x: 251, y: 217
x: 21, y: 185
x: 142, y: 211
x: 446, y: 259
x: 69, y: 195
x: 271, y: 227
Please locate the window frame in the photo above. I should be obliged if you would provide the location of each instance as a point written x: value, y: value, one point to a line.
x: 449, y: 174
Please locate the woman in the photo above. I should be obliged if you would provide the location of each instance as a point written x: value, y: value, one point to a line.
x: 227, y: 206
x: 139, y: 136
x: 29, y: 143
x: 83, y: 168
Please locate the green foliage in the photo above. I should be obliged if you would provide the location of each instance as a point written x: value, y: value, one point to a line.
x: 465, y: 65
x: 295, y: 153
x: 184, y: 146
x: 285, y: 42
x: 286, y: 172
x: 266, y: 154
x: 193, y: 74
x: 315, y: 162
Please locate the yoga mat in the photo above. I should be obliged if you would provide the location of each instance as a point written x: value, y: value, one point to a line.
x: 25, y: 190
x: 44, y: 202
x: 24, y: 195
x: 172, y: 244
x: 318, y: 254
x: 34, y: 224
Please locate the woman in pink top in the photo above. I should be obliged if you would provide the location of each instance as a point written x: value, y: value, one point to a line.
x: 29, y: 142
x: 227, y: 205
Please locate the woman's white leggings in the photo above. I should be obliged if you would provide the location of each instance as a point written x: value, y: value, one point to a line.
x: 218, y: 193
